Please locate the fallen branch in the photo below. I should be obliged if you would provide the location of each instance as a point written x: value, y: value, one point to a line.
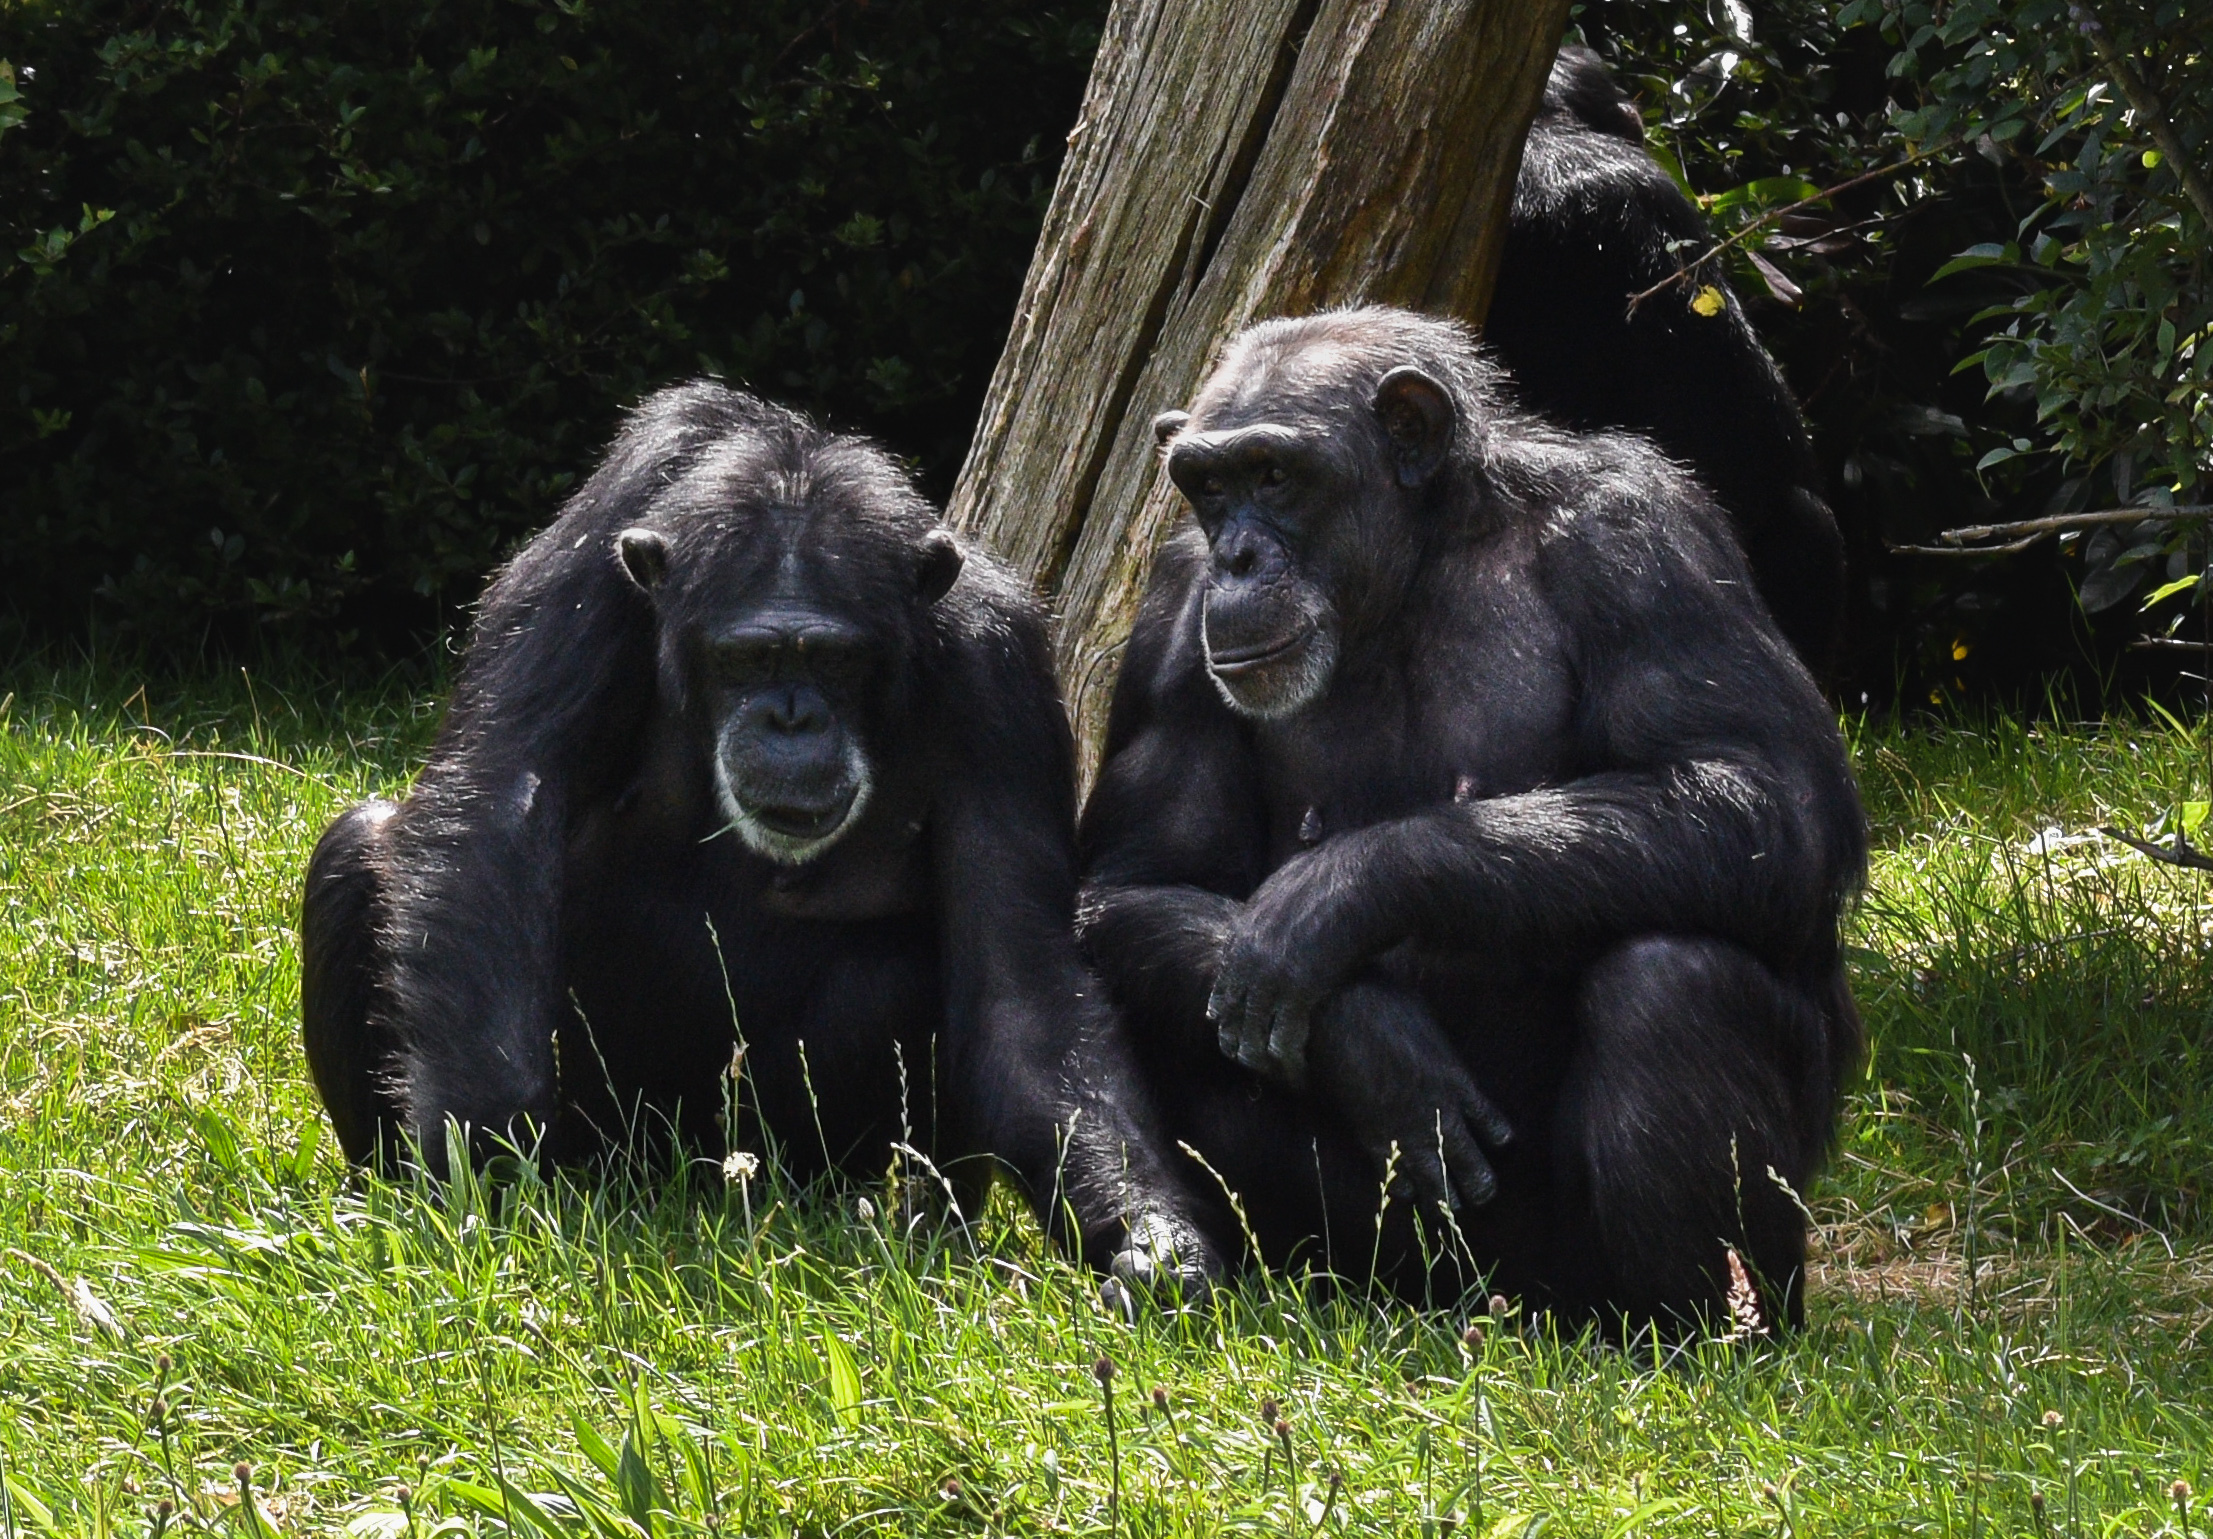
x: 2180, y: 853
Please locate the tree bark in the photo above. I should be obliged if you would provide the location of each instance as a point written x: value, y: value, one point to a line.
x: 1234, y: 160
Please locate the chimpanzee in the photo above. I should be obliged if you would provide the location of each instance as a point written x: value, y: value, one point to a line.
x: 1593, y: 220
x: 744, y: 749
x: 1465, y: 820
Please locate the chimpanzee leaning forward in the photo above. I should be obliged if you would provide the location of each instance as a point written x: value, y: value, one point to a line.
x: 1465, y: 816
x: 743, y: 742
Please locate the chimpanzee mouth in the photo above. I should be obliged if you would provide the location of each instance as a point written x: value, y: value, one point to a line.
x: 1270, y: 680
x: 790, y: 831
x: 1251, y: 659
x: 799, y: 822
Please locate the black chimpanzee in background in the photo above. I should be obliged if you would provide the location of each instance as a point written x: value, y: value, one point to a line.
x: 1593, y: 216
x: 741, y: 733
x: 1460, y: 794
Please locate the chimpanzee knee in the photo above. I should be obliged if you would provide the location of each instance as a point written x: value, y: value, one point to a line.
x: 1682, y: 1109
x: 348, y: 1052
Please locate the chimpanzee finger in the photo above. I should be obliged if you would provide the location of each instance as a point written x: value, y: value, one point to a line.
x: 1427, y: 1172
x: 1474, y: 1183
x: 1225, y: 1007
x: 1256, y: 1023
x: 1287, y: 1043
x: 1247, y: 1033
x: 1489, y: 1122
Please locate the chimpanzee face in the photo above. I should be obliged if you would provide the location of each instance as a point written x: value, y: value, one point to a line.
x: 1300, y: 471
x: 793, y: 637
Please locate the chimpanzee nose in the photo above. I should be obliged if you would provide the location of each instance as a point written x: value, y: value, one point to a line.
x: 794, y: 710
x: 1243, y: 553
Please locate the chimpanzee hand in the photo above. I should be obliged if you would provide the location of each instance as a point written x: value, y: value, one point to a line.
x: 1290, y: 946
x: 1383, y: 1062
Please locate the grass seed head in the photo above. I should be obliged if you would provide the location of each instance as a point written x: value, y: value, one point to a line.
x: 1270, y: 1412
x: 243, y: 1473
x: 1160, y: 1398
x: 2036, y: 1502
x: 1499, y: 1306
x: 2053, y: 1418
x: 1103, y: 1369
x: 165, y: 1509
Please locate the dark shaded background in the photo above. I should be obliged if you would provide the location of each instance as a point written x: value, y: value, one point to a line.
x: 379, y: 275
x: 315, y: 311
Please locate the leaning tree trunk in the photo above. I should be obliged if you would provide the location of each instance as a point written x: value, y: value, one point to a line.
x: 1234, y: 160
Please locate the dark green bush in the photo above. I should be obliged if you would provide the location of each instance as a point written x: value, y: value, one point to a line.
x: 308, y: 311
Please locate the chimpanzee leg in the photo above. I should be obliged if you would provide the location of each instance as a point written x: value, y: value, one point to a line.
x: 341, y: 977
x: 1689, y: 1084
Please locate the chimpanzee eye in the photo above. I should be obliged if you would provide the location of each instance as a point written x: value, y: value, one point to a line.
x: 743, y: 664
x: 1212, y: 486
x: 1272, y: 475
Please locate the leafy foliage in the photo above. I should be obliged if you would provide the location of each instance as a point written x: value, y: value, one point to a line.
x: 1955, y: 134
x: 308, y: 311
x: 2111, y: 327
x: 2108, y: 328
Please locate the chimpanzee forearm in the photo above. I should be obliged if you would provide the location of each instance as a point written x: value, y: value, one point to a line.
x: 474, y: 915
x: 1158, y: 948
x: 1041, y: 1066
x: 1714, y: 846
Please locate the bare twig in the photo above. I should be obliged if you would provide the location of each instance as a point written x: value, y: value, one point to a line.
x: 1964, y: 550
x: 2020, y: 536
x: 2180, y: 853
x: 1682, y: 274
x: 2148, y: 107
x: 2063, y: 521
x: 2170, y: 644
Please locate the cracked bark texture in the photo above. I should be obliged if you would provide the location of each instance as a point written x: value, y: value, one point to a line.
x: 1234, y: 160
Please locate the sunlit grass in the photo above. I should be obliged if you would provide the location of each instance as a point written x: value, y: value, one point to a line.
x: 2011, y: 1305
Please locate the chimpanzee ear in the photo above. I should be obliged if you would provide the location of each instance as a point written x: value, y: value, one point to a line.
x: 1420, y: 418
x: 1167, y: 425
x: 645, y: 556
x: 941, y: 566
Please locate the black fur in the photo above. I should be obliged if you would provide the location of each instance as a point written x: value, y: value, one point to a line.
x: 742, y: 734
x: 1593, y: 215
x: 1458, y: 786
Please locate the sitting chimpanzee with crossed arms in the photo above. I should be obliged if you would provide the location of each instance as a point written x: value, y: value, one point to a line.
x: 1465, y: 820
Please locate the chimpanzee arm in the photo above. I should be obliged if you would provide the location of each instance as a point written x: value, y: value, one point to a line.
x: 558, y: 676
x: 1172, y: 836
x: 1041, y: 1072
x: 1719, y: 800
x: 554, y: 688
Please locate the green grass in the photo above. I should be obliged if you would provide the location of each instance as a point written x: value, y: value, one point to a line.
x: 2008, y: 1322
